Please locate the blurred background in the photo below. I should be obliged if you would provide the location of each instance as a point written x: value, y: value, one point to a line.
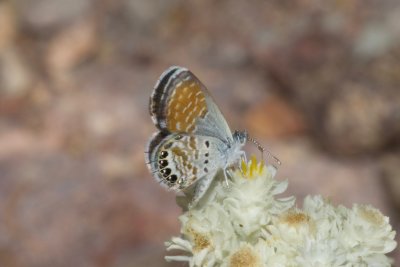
x: 316, y: 82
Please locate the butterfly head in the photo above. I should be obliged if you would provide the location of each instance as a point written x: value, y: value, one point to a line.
x: 240, y: 137
x: 235, y: 151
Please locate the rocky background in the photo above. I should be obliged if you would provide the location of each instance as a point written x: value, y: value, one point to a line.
x: 317, y: 82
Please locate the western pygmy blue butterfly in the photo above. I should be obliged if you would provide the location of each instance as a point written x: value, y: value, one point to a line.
x: 194, y: 141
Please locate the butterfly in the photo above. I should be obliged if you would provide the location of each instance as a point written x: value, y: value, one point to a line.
x: 193, y: 141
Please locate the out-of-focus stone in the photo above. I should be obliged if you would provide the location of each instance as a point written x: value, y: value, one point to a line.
x: 8, y: 25
x: 40, y: 95
x: 71, y: 47
x: 114, y: 166
x: 16, y: 143
x: 47, y: 15
x: 15, y: 76
x: 346, y: 89
x: 390, y: 166
x: 390, y: 171
x: 359, y: 119
x: 148, y: 256
x: 147, y: 13
x: 273, y: 118
x: 311, y: 172
x: 374, y: 41
x: 72, y: 215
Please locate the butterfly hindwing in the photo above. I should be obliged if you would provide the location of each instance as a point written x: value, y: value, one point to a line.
x: 179, y: 160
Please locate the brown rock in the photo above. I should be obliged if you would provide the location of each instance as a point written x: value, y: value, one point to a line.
x: 15, y: 75
x: 390, y: 167
x: 45, y: 15
x: 273, y: 118
x: 69, y: 218
x: 311, y: 172
x: 350, y: 100
x: 358, y: 119
x: 8, y: 23
x: 71, y: 47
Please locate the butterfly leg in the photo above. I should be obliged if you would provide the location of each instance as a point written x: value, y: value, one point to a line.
x: 226, y: 176
x: 242, y: 157
x: 201, y: 188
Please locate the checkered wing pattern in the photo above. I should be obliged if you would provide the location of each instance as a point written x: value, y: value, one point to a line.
x: 180, y: 103
x: 179, y: 160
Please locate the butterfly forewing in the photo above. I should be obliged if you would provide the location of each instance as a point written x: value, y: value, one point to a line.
x: 181, y: 104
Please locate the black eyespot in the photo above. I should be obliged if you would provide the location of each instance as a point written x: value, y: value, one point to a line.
x: 206, y: 161
x: 206, y: 155
x: 166, y: 172
x: 163, y: 154
x: 163, y: 163
x: 207, y: 143
x: 172, y: 178
x: 205, y: 169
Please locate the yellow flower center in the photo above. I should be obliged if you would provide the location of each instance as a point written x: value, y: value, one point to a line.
x: 252, y: 169
x: 200, y: 240
x: 298, y: 219
x: 244, y: 257
x: 371, y: 215
x: 295, y: 218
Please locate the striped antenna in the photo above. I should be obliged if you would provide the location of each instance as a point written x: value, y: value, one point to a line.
x: 262, y: 150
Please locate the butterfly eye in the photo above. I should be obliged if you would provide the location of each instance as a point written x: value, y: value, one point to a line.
x: 178, y: 137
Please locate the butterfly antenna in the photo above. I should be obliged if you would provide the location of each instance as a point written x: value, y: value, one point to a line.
x: 262, y: 150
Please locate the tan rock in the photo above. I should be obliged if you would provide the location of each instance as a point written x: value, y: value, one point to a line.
x: 274, y: 117
x: 71, y: 47
x: 15, y: 75
x: 8, y: 23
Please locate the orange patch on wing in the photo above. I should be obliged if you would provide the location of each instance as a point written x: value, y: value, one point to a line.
x: 179, y: 153
x: 185, y: 106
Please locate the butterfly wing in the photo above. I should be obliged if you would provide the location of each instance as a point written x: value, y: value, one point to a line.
x: 180, y: 103
x: 179, y: 160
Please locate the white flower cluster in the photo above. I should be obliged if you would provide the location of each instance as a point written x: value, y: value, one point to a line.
x: 246, y: 225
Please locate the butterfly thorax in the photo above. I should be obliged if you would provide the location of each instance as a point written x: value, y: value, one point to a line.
x: 234, y: 147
